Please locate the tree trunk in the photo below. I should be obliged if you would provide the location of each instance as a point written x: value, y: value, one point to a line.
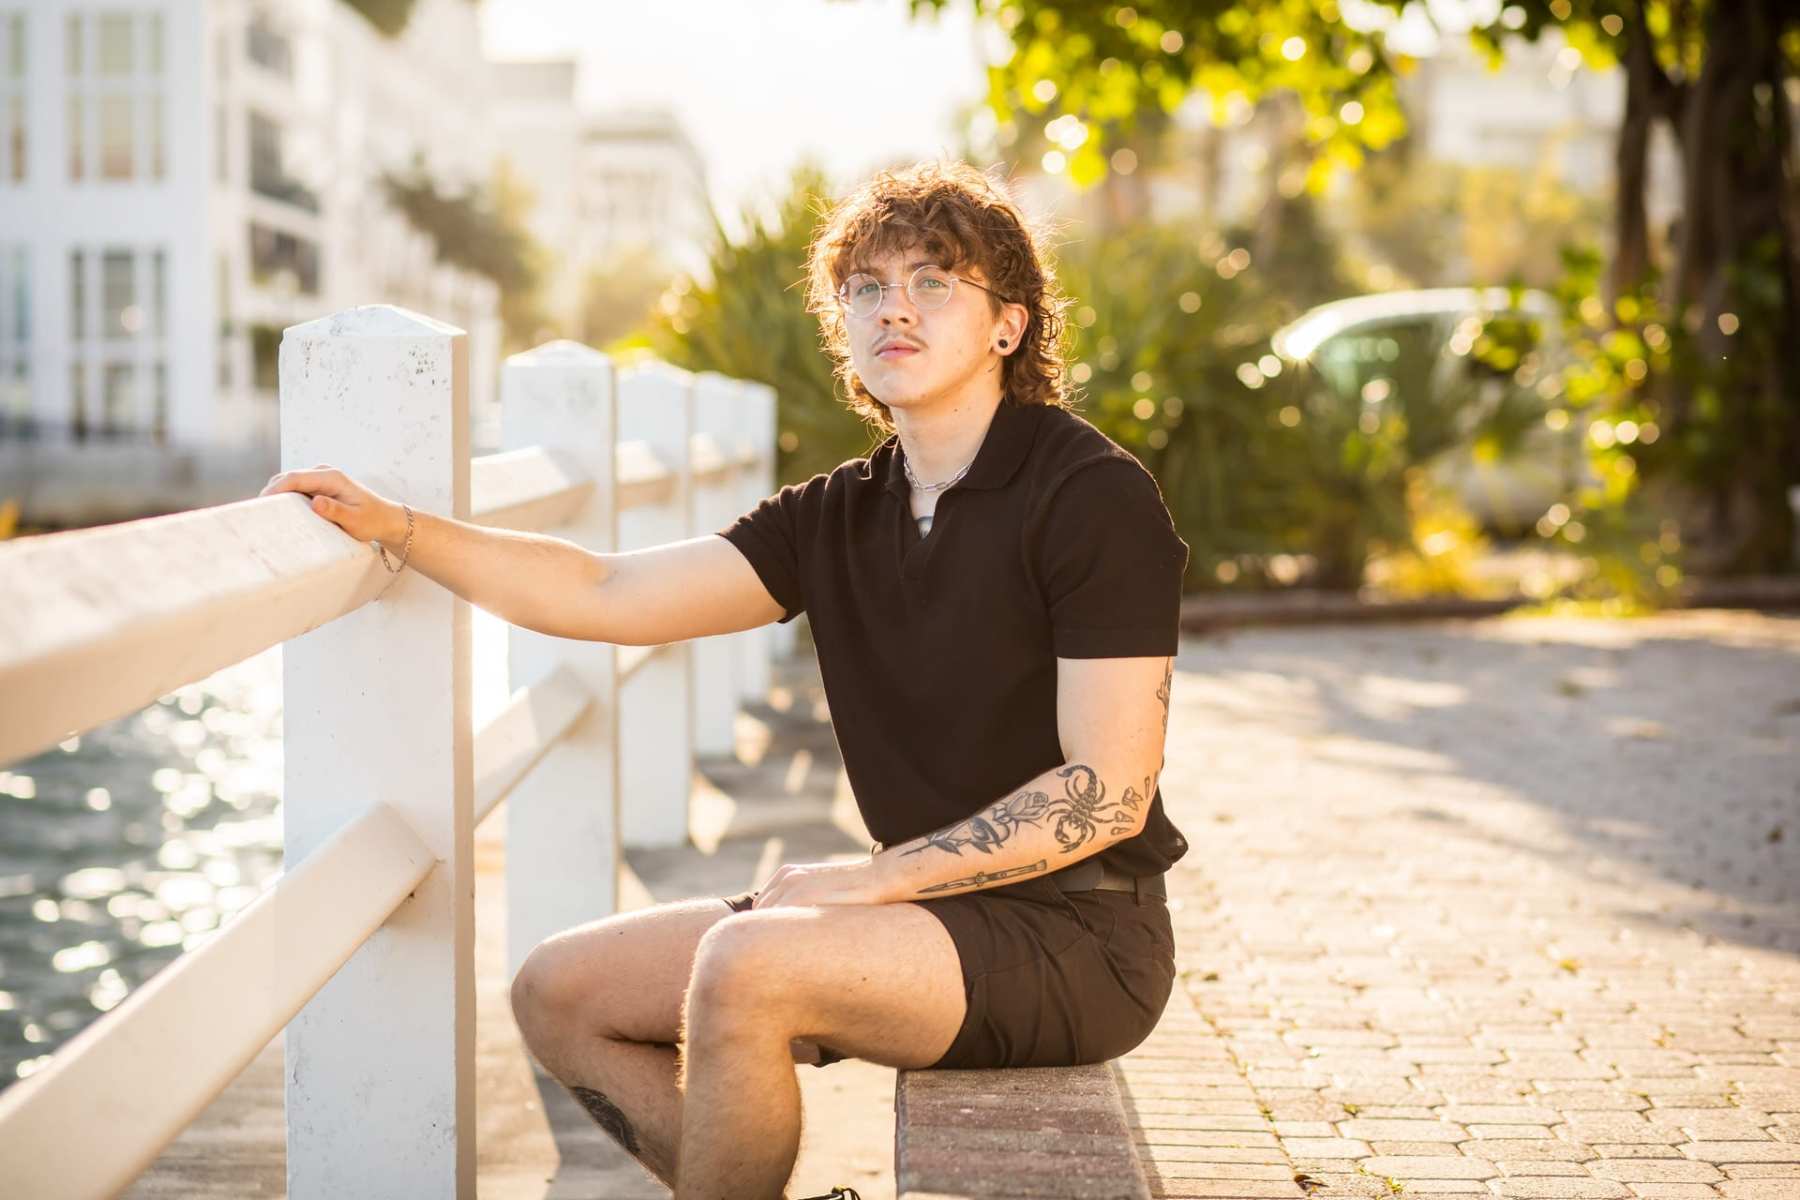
x: 1631, y: 245
x: 1737, y: 193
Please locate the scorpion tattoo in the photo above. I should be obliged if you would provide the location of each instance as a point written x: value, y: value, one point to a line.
x: 1078, y: 815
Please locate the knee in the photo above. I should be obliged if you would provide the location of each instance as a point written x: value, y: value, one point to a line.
x: 736, y: 968
x: 542, y: 990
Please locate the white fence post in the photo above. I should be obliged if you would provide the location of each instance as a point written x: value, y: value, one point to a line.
x: 655, y: 707
x: 380, y: 1079
x: 715, y: 659
x: 562, y: 819
x: 754, y: 418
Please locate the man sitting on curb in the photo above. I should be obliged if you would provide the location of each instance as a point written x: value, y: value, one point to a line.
x: 993, y: 594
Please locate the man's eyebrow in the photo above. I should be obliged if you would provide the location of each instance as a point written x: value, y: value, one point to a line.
x: 911, y: 266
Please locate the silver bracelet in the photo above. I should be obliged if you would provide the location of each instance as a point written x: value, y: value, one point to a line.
x: 406, y: 550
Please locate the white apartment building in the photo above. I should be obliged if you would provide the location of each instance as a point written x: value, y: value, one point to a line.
x: 181, y: 179
x: 605, y: 183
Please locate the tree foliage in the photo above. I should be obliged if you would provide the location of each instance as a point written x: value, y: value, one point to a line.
x: 482, y: 230
x: 388, y: 16
x: 1721, y: 303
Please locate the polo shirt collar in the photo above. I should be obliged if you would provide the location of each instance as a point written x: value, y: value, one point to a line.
x: 1004, y: 446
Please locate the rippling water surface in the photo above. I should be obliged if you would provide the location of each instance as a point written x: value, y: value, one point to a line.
x: 138, y: 839
x: 129, y: 843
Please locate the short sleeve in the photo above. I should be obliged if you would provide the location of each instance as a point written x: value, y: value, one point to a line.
x: 770, y: 537
x: 1108, y: 562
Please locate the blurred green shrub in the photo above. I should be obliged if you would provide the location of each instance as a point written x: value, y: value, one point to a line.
x: 750, y: 321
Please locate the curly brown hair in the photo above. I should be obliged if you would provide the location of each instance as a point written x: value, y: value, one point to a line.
x: 961, y: 217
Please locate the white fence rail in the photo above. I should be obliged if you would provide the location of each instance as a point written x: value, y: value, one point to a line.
x: 363, y: 948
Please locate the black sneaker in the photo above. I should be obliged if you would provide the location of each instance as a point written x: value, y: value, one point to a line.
x: 836, y: 1193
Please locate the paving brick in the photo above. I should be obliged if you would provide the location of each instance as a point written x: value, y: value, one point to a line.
x: 1183, y: 1166
x: 1673, y: 1191
x: 1532, y: 1187
x: 1222, y: 1169
x: 1656, y: 1170
x: 1308, y: 1147
x: 1226, y: 1189
x: 1414, y: 1131
x: 1525, y: 1148
x: 1305, y: 1128
x: 1423, y: 1148
x: 1539, y: 1166
x: 1435, y: 1166
x: 1446, y: 1187
x: 1500, y: 1114
x: 1743, y: 1152
x: 1759, y: 1189
x: 1758, y: 1171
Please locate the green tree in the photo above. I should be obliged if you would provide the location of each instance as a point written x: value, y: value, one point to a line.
x: 617, y: 297
x: 481, y: 230
x: 1718, y: 73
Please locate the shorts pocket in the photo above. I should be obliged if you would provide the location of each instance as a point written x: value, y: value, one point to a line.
x: 1141, y: 953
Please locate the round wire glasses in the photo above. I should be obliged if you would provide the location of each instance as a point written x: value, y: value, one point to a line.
x: 929, y: 288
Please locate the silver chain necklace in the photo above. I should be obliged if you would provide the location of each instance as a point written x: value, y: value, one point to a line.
x: 932, y: 487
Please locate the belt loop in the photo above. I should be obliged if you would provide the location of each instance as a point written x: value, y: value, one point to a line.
x: 1137, y: 889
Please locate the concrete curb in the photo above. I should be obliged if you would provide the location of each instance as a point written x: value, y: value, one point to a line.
x: 1211, y: 613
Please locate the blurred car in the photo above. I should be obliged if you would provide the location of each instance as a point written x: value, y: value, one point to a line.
x: 1474, y: 372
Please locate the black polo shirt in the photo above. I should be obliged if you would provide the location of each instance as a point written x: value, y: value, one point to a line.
x: 938, y: 652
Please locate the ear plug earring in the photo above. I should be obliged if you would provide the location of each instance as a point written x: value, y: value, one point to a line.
x: 1003, y: 343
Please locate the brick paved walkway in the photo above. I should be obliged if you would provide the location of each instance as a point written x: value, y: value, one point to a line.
x: 1508, y: 908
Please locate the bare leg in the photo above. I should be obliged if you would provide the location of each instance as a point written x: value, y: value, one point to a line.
x: 881, y: 982
x: 742, y: 1131
x: 628, y: 1088
x: 599, y: 1006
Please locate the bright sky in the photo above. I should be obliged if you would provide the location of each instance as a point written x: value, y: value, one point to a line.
x: 760, y: 85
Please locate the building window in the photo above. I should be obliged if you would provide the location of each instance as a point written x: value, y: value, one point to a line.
x: 159, y: 295
x: 12, y: 97
x: 267, y: 46
x: 159, y: 403
x: 15, y: 343
x: 118, y: 406
x: 115, y: 45
x: 77, y: 295
x: 78, y: 401
x: 118, y: 323
x: 268, y: 167
x: 221, y: 144
x: 283, y: 260
x: 115, y: 70
x: 120, y: 316
x: 77, y: 139
x: 158, y: 163
x: 115, y: 136
x: 265, y: 357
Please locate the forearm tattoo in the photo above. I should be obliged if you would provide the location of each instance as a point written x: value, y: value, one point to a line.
x: 1076, y: 817
x: 608, y: 1116
x: 1162, y: 694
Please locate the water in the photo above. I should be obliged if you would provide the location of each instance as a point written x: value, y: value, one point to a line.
x: 126, y: 845
x: 141, y: 838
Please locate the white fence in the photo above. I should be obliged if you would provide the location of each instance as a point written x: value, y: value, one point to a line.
x: 363, y: 949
